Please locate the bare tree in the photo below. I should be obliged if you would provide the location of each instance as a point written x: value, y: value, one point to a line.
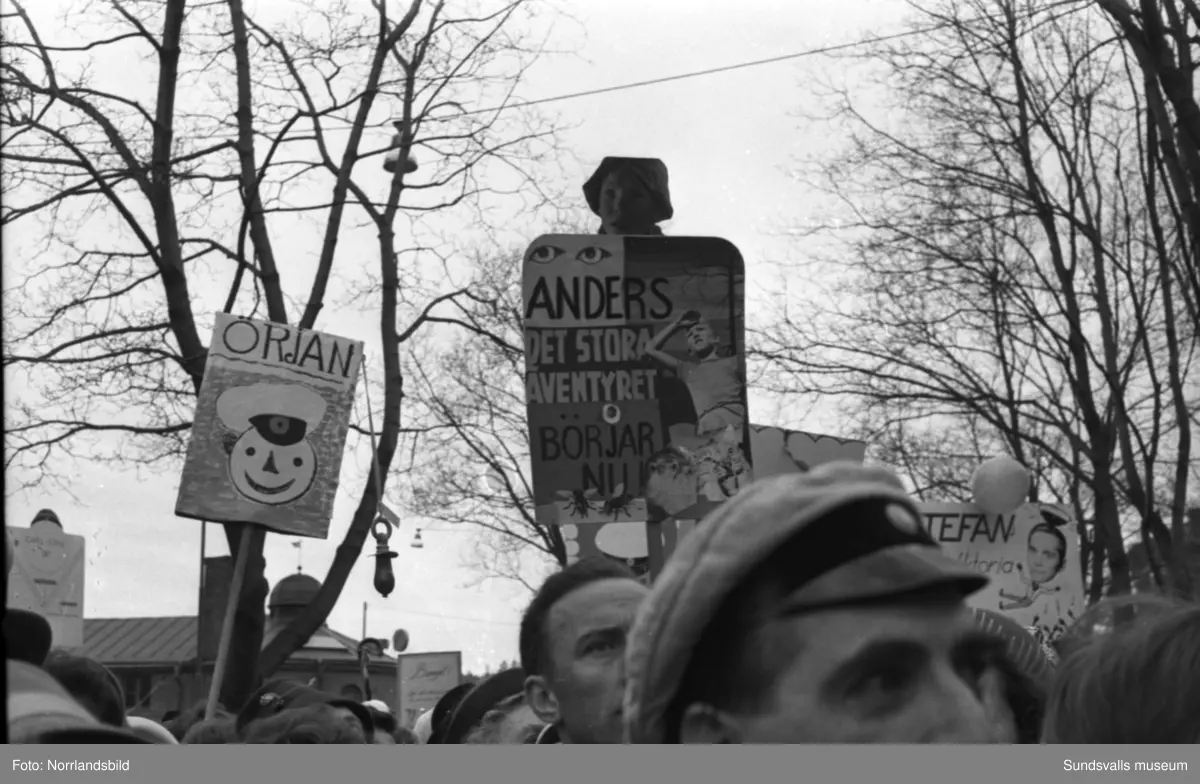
x: 471, y: 467
x: 256, y: 129
x: 1005, y: 276
x: 1164, y: 38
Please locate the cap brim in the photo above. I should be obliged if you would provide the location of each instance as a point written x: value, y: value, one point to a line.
x: 484, y: 697
x: 886, y: 574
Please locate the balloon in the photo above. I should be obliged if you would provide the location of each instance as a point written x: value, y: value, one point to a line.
x: 622, y: 540
x: 492, y: 480
x: 1000, y: 485
x: 1024, y: 649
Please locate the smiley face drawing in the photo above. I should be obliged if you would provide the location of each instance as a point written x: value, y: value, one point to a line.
x: 270, y: 460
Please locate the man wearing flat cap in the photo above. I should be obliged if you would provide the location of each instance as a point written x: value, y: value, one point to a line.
x: 810, y: 608
x: 630, y: 195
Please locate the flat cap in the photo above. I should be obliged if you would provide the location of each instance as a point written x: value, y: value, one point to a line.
x: 853, y: 558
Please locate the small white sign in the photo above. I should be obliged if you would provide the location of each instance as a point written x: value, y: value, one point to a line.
x: 48, y: 578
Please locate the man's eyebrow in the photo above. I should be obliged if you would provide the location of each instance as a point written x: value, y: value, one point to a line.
x: 879, y: 654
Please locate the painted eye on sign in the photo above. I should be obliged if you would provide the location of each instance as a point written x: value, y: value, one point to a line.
x: 634, y: 354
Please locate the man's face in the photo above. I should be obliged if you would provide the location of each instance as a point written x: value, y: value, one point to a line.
x: 1044, y: 557
x: 586, y: 630
x: 889, y: 674
x: 625, y: 205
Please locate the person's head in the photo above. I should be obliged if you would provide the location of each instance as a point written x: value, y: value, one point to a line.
x: 384, y: 721
x: 487, y: 695
x: 405, y: 737
x: 572, y: 645
x: 222, y: 730
x: 443, y: 711
x: 511, y: 722
x: 810, y: 608
x: 41, y: 711
x: 91, y: 684
x: 278, y: 696
x: 1047, y: 552
x: 193, y: 714
x: 1131, y: 674
x: 702, y: 339
x: 316, y: 723
x: 630, y: 195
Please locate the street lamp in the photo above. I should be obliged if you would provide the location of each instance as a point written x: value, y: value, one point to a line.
x: 417, y: 544
x: 392, y: 159
x: 385, y: 578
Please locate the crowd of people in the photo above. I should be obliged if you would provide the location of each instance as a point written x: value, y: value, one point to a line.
x: 810, y: 608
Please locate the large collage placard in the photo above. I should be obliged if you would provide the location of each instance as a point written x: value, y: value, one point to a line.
x: 634, y: 356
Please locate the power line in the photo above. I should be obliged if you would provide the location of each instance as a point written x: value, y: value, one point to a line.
x: 831, y: 49
x: 878, y: 39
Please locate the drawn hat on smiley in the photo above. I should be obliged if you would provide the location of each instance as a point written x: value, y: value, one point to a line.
x: 283, y: 414
x: 270, y: 460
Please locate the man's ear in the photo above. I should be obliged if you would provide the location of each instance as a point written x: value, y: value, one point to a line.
x: 541, y: 699
x: 705, y: 725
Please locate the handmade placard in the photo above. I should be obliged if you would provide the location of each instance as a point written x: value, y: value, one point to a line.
x: 634, y: 350
x: 1031, y: 556
x: 270, y: 427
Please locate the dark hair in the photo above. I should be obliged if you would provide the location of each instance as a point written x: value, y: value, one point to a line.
x: 93, y: 685
x: 207, y: 732
x: 318, y: 724
x: 1125, y: 678
x: 534, y: 650
x: 1052, y: 530
x: 405, y: 737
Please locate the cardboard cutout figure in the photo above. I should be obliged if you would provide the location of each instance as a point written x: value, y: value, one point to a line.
x: 270, y: 427
x: 631, y: 196
x: 1031, y: 555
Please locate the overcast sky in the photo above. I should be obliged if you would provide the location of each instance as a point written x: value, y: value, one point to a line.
x: 726, y: 139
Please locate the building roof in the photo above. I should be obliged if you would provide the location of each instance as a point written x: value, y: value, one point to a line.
x: 139, y: 640
x: 172, y: 639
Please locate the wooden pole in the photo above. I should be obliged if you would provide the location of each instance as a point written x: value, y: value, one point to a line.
x: 198, y: 683
x: 235, y: 591
x: 654, y: 548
